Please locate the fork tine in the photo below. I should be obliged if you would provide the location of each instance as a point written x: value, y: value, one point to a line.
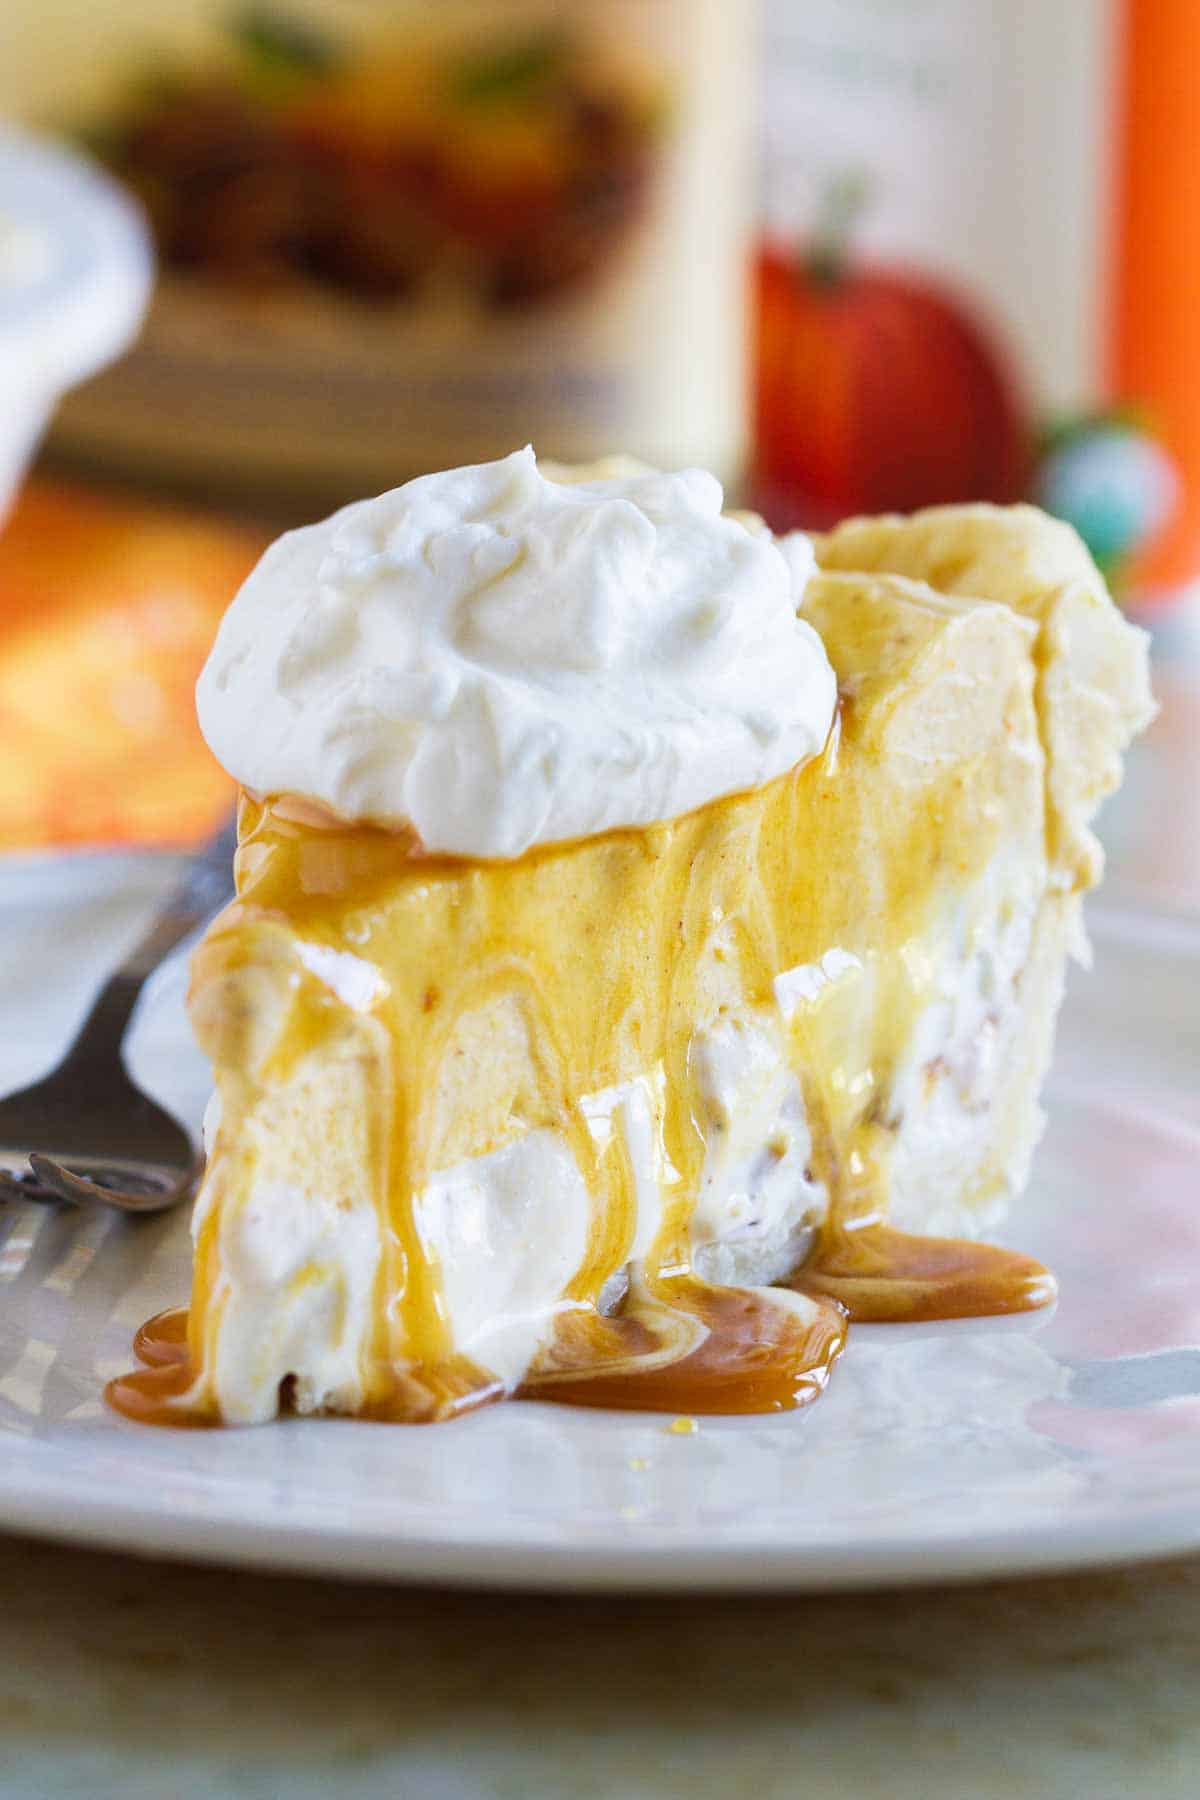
x: 78, y: 1189
x: 59, y: 1181
x: 12, y: 1188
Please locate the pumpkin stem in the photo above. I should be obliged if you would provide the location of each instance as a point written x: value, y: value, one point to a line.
x: 842, y: 205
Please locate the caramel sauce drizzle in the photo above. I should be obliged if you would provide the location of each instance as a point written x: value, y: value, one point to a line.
x: 157, y: 1394
x: 753, y: 1355
x: 505, y: 992
x: 883, y: 1276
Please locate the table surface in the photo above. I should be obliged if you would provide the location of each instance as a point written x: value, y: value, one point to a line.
x: 119, y: 1676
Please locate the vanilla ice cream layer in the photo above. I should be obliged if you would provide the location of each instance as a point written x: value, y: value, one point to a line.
x: 509, y: 1230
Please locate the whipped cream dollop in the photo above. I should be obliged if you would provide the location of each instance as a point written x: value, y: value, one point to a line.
x: 501, y: 660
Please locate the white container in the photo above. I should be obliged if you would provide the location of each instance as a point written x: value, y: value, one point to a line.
x: 75, y: 276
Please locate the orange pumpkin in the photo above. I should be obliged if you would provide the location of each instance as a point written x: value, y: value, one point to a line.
x: 875, y: 392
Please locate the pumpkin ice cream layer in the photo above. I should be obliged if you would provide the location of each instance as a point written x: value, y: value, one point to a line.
x: 640, y: 1118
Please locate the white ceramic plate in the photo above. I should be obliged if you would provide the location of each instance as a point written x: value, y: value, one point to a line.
x: 939, y: 1452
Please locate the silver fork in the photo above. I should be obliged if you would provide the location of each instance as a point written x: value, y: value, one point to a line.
x: 85, y: 1132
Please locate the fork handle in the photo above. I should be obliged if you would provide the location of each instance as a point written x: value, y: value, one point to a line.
x: 207, y: 884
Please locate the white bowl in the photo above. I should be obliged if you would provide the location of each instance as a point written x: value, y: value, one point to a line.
x: 76, y: 269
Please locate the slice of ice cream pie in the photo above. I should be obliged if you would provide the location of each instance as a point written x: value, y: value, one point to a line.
x: 647, y: 944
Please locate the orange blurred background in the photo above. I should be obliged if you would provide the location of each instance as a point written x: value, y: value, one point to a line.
x: 107, y: 610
